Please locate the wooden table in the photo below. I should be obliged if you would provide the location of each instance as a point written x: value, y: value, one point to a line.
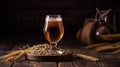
x: 105, y: 60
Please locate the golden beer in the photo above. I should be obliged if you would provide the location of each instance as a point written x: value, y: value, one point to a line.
x: 54, y: 30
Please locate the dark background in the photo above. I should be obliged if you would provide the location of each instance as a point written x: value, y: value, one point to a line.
x: 20, y: 18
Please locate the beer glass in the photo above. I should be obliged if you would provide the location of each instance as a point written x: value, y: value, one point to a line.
x: 53, y: 30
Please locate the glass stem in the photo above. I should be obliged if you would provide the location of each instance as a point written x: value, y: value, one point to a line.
x: 54, y: 45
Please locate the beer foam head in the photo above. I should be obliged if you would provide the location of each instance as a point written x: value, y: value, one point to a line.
x: 54, y: 19
x: 58, y: 18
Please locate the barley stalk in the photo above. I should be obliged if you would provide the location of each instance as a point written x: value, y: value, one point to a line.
x: 20, y: 55
x: 105, y: 48
x: 87, y: 57
x: 12, y: 54
x: 10, y: 59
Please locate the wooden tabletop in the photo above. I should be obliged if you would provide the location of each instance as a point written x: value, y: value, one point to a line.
x: 105, y: 59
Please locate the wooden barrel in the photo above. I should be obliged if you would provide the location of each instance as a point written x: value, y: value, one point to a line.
x: 84, y: 35
x: 89, y: 33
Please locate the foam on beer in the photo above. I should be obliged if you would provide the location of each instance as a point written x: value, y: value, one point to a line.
x: 53, y: 19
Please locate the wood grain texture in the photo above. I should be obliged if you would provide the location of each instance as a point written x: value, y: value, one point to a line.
x: 35, y: 64
x: 78, y: 63
x: 109, y: 60
x: 105, y: 59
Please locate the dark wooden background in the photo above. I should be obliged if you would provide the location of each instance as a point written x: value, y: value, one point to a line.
x: 22, y: 21
x: 26, y: 17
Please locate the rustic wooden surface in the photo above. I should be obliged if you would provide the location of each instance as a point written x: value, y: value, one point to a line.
x: 106, y: 60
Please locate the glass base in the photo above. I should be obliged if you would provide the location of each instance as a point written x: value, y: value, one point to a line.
x: 55, y: 52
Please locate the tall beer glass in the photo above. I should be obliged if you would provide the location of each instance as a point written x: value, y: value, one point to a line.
x: 53, y: 30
